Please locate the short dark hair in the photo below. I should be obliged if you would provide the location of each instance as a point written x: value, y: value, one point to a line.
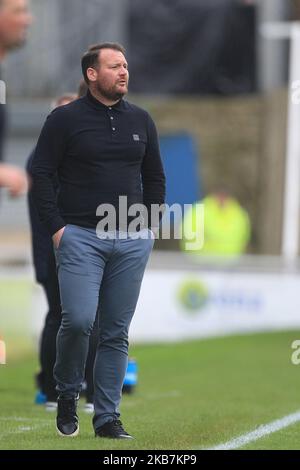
x: 91, y: 57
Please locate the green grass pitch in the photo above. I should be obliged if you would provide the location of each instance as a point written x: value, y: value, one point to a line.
x: 190, y: 395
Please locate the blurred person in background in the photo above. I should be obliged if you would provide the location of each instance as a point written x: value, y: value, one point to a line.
x: 102, y: 147
x: 14, y: 22
x: 227, y: 227
x: 45, y: 270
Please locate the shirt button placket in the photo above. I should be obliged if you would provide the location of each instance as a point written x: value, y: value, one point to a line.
x: 113, y: 127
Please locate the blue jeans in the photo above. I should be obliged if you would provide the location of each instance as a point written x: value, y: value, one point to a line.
x: 96, y: 271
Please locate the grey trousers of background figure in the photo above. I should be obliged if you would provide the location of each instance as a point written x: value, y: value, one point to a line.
x: 94, y: 271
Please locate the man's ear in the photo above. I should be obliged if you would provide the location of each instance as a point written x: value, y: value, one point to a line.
x: 92, y: 74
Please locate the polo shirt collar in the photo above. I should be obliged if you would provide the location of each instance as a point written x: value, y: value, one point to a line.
x: 97, y: 104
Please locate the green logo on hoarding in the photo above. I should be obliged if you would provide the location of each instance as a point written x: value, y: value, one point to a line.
x: 193, y: 295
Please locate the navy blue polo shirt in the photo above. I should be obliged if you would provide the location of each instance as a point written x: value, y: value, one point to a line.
x: 98, y: 153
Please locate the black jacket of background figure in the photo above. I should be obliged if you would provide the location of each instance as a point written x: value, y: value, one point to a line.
x: 42, y: 245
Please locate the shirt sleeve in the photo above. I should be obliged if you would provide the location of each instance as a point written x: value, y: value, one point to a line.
x: 45, y: 162
x: 153, y: 176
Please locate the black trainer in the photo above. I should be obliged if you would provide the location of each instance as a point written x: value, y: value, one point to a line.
x: 113, y: 430
x: 67, y: 419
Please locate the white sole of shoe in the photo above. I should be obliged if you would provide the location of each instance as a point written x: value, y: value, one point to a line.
x: 75, y: 433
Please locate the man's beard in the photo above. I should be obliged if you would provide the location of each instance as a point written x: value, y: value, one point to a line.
x: 109, y: 93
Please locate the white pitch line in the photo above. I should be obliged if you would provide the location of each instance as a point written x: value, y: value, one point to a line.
x: 260, y: 432
x: 22, y: 429
x: 19, y: 418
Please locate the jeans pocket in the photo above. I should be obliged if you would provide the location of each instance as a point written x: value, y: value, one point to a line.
x: 62, y: 239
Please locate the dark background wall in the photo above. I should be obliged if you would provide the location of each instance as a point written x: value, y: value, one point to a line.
x: 192, y: 47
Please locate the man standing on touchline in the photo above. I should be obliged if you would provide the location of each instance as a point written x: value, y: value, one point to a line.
x: 102, y: 148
